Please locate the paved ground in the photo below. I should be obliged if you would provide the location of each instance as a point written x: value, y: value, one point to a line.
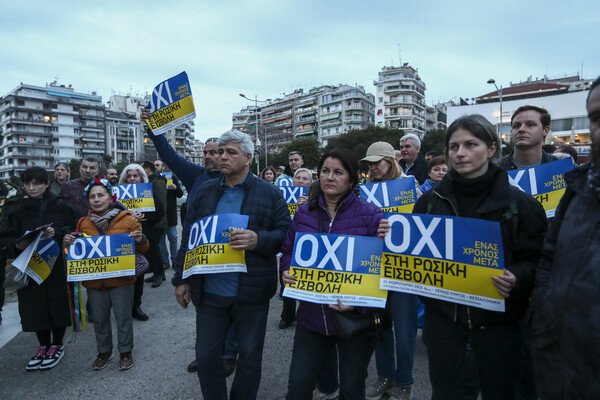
x: 163, y: 348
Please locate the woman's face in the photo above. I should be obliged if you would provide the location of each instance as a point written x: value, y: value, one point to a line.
x: 468, y: 154
x: 377, y: 170
x: 301, y: 179
x: 99, y: 199
x: 35, y: 189
x: 133, y: 176
x: 334, y: 179
x: 269, y: 176
x: 437, y: 172
x: 61, y: 173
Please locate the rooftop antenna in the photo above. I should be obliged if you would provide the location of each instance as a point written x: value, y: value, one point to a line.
x: 399, y: 54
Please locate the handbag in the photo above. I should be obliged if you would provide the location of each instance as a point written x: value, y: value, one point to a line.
x: 15, y: 279
x: 351, y: 324
x: 141, y: 264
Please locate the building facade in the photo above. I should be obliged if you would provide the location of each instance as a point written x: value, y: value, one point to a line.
x: 400, y: 100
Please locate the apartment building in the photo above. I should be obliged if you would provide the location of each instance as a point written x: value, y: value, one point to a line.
x: 40, y: 126
x: 400, y: 100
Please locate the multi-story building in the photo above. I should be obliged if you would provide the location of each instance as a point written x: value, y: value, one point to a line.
x: 400, y: 99
x: 321, y: 113
x: 123, y: 136
x: 44, y: 125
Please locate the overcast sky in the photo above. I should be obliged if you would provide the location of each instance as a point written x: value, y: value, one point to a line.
x: 267, y: 48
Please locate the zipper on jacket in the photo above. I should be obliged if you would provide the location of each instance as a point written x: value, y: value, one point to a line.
x: 328, y: 231
x: 469, y: 318
x: 324, y: 320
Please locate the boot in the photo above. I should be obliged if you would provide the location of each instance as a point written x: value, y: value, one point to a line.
x: 157, y: 280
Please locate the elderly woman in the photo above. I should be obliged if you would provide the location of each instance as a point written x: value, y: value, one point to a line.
x: 335, y: 204
x: 105, y: 218
x: 436, y: 170
x: 134, y: 173
x: 43, y: 308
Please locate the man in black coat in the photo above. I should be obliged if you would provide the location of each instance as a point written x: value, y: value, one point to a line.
x: 10, y: 196
x: 411, y: 161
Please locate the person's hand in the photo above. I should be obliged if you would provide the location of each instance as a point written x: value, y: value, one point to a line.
x: 301, y: 200
x: 137, y: 215
x: 505, y: 283
x: 287, y: 278
x: 383, y: 229
x: 137, y: 236
x: 182, y: 294
x: 48, y: 233
x: 68, y: 240
x: 145, y: 114
x: 172, y: 186
x: 243, y: 239
x: 23, y: 244
x: 341, y: 307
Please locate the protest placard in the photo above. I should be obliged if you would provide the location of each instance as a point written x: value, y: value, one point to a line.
x: 291, y: 195
x: 101, y: 257
x: 446, y: 258
x: 169, y: 177
x: 285, y: 182
x: 545, y: 182
x: 397, y: 195
x: 330, y: 267
x: 208, y: 250
x: 42, y: 260
x: 135, y: 196
x: 171, y: 104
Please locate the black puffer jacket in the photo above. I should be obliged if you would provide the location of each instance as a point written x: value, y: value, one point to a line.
x: 268, y: 217
x: 565, y: 304
x: 520, y: 254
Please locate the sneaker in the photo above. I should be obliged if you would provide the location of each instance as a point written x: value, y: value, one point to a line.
x: 102, y: 360
x: 401, y: 393
x: 53, y: 356
x: 36, y: 361
x: 318, y: 395
x: 125, y: 362
x: 379, y: 388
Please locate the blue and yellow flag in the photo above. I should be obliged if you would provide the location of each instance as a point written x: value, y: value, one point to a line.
x: 171, y: 104
x: 331, y: 267
x: 169, y: 177
x: 291, y: 195
x: 135, y: 196
x: 397, y: 195
x: 208, y: 249
x: 445, y: 258
x: 545, y: 182
x: 101, y: 257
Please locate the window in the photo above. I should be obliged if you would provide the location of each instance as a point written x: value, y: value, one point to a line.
x: 75, y: 108
x: 21, y: 103
x: 54, y: 118
x: 55, y: 140
x: 380, y: 100
x: 54, y: 106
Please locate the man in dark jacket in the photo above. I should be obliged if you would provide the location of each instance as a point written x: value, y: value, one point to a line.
x: 173, y: 193
x: 241, y: 297
x: 10, y: 197
x: 411, y: 161
x: 565, y: 304
x: 72, y: 191
x: 529, y: 127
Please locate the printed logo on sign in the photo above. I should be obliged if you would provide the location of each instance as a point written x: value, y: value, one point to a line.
x: 398, y: 195
x: 171, y: 104
x: 285, y: 182
x: 106, y: 256
x: 161, y: 97
x: 135, y: 196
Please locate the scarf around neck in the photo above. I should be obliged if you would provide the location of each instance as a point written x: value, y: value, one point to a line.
x: 103, y: 221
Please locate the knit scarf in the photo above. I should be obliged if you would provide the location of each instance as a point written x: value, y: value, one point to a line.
x: 102, y: 221
x: 593, y: 179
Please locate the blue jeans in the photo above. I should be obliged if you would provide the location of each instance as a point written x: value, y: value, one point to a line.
x: 403, y: 309
x: 171, y: 234
x: 214, y: 315
x: 311, y: 351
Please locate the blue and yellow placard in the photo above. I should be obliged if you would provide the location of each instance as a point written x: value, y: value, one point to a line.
x: 545, y: 182
x: 42, y: 260
x: 135, y: 196
x: 291, y: 195
x: 169, y: 177
x: 101, y: 257
x: 285, y: 181
x: 446, y: 258
x: 208, y: 250
x: 331, y: 267
x: 397, y: 195
x: 171, y: 104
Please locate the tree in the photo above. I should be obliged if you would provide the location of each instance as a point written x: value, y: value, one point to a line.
x: 359, y: 140
x: 433, y: 141
x: 310, y: 149
x: 74, y: 165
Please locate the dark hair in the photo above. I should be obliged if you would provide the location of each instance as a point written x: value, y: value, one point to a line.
x: 545, y: 117
x: 269, y: 168
x: 64, y: 165
x: 568, y: 150
x: 105, y: 171
x: 149, y: 165
x: 91, y: 159
x: 594, y: 85
x: 350, y: 164
x: 549, y: 148
x: 37, y: 174
x: 291, y: 153
x: 479, y: 127
x: 439, y: 160
x: 432, y: 154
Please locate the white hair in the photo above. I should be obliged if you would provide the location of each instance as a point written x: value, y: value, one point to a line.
x: 413, y: 137
x: 243, y: 139
x: 138, y: 167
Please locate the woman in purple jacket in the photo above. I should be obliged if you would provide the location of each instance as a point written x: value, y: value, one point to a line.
x: 341, y: 212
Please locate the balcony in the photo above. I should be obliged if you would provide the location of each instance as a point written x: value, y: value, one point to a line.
x: 38, y: 144
x: 20, y: 131
x: 28, y: 121
x: 405, y: 102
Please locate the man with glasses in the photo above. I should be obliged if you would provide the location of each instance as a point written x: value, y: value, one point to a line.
x: 296, y: 161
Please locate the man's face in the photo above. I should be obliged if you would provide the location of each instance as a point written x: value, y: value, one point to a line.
x: 593, y: 109
x: 527, y: 130
x: 160, y: 166
x: 112, y: 176
x: 409, y: 151
x: 88, y: 170
x: 296, y: 162
x: 211, y: 156
x: 232, y: 159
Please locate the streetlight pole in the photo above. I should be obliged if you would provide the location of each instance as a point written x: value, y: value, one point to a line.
x: 493, y: 82
x: 256, y: 125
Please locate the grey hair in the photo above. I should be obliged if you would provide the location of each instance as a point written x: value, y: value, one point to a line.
x: 308, y: 171
x: 478, y: 126
x: 413, y: 137
x: 243, y: 139
x: 138, y: 167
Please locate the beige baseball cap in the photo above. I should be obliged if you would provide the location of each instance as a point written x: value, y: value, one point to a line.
x: 377, y: 151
